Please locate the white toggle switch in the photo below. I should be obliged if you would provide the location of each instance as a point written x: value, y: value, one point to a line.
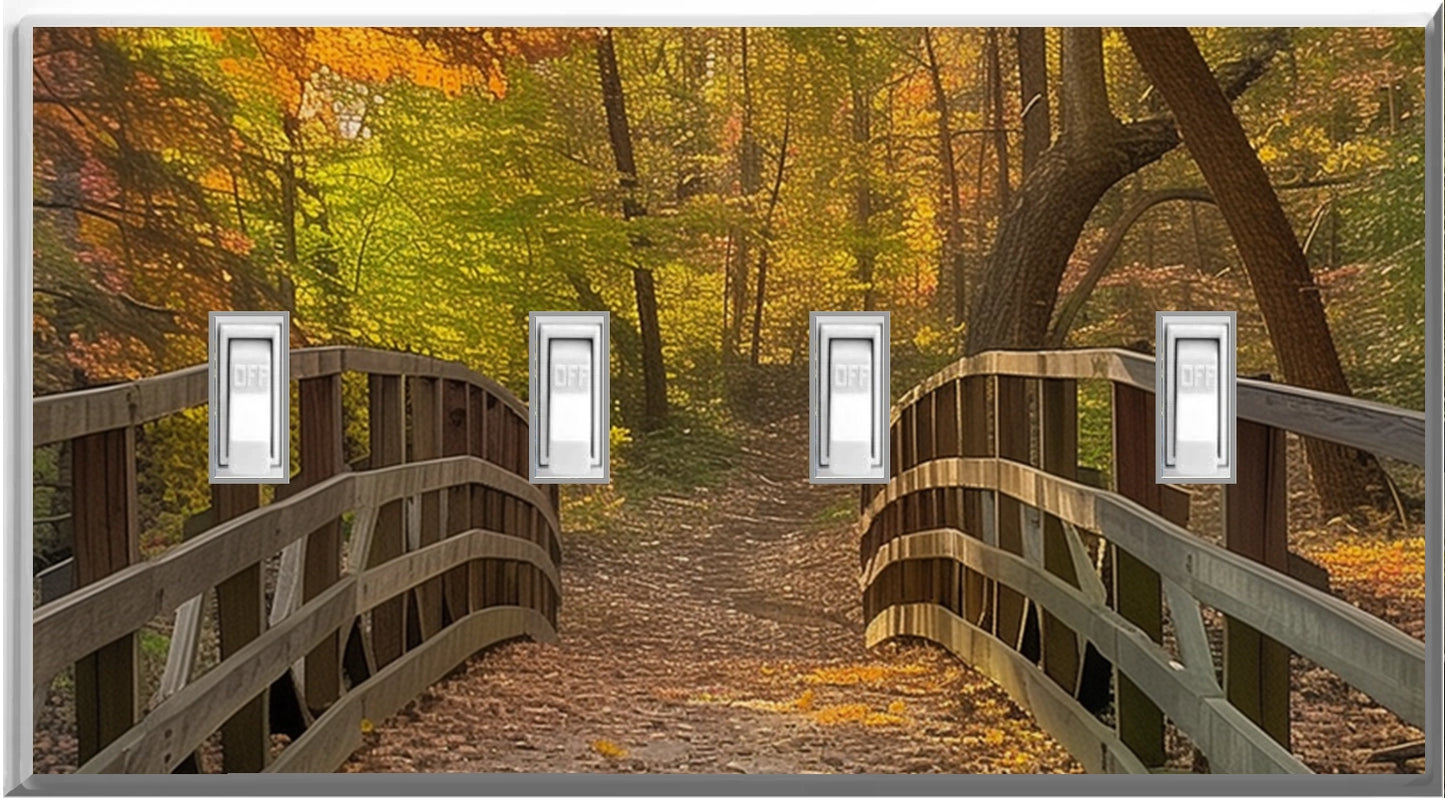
x: 570, y: 400
x: 849, y: 397
x: 1195, y: 397
x: 250, y: 397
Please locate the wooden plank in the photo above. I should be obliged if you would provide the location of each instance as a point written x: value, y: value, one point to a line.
x: 1256, y: 668
x: 1370, y: 654
x: 181, y: 724
x: 1136, y: 586
x: 1194, y: 700
x: 395, y: 577
x: 426, y: 432
x: 456, y: 438
x: 103, y: 489
x: 1095, y: 745
x: 1357, y: 423
x: 1012, y: 431
x: 476, y: 447
x: 68, y: 628
x: 241, y: 617
x: 321, y: 445
x: 338, y: 732
x: 974, y: 413
x: 386, y: 412
x: 1059, y: 453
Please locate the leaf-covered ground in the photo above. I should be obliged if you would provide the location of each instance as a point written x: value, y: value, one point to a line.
x: 718, y: 631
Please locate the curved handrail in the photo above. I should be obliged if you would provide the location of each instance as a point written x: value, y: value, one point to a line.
x: 63, y: 416
x: 73, y: 626
x: 1358, y: 423
x: 1369, y: 653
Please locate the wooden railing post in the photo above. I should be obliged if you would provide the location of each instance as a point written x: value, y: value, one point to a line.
x: 1059, y: 444
x: 456, y: 438
x: 1012, y: 430
x: 241, y: 616
x: 426, y: 431
x: 1257, y: 668
x: 974, y: 409
x: 1137, y: 594
x: 103, y: 483
x: 321, y: 458
x: 387, y: 430
x: 477, y: 401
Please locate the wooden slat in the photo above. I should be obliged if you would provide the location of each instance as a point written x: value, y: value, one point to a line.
x: 69, y: 627
x: 409, y: 570
x: 1256, y: 668
x: 456, y: 437
x: 1194, y: 700
x: 321, y: 458
x: 1384, y: 430
x: 1059, y: 444
x: 1137, y: 594
x: 73, y: 414
x: 104, y: 497
x: 1370, y: 654
x: 241, y: 614
x: 338, y: 732
x: 426, y: 431
x: 1095, y: 745
x: 386, y: 407
x: 1012, y: 427
x: 188, y: 718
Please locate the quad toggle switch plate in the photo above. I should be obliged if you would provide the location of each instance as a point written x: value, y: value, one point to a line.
x: 848, y: 397
x: 250, y: 397
x: 1195, y: 397
x: 570, y: 397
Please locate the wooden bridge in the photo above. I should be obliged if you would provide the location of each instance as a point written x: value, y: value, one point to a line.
x: 360, y: 584
x: 448, y: 549
x: 988, y: 541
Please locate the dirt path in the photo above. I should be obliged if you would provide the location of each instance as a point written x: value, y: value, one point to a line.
x: 716, y: 632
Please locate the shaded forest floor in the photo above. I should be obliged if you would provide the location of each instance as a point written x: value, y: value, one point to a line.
x: 717, y: 631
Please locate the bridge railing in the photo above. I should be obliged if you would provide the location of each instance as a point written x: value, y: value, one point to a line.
x: 449, y: 550
x: 1087, y: 603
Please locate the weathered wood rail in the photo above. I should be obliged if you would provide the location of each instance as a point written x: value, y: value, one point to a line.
x: 449, y: 550
x: 987, y: 542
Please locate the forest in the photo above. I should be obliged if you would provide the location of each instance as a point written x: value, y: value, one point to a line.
x: 424, y: 189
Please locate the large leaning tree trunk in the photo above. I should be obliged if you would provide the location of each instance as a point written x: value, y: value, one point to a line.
x: 654, y: 372
x: 1288, y: 296
x: 1033, y: 95
x: 1094, y: 150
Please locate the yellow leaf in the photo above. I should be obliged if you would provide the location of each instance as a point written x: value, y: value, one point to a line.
x: 609, y: 749
x: 367, y: 727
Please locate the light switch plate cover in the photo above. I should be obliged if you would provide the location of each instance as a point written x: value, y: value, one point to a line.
x: 832, y: 335
x: 1195, y: 397
x: 244, y: 373
x: 582, y: 384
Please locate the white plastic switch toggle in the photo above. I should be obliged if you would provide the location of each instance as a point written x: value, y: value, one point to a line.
x: 569, y: 397
x: 849, y: 397
x: 850, y: 404
x: 1195, y: 389
x: 569, y: 425
x: 250, y: 397
x: 248, y: 436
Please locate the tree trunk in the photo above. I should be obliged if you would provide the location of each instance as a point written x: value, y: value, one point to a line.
x: 1000, y: 130
x: 749, y: 180
x: 654, y: 372
x: 949, y: 279
x: 767, y: 247
x: 862, y: 128
x: 1287, y: 294
x: 1033, y: 96
x: 1093, y: 152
